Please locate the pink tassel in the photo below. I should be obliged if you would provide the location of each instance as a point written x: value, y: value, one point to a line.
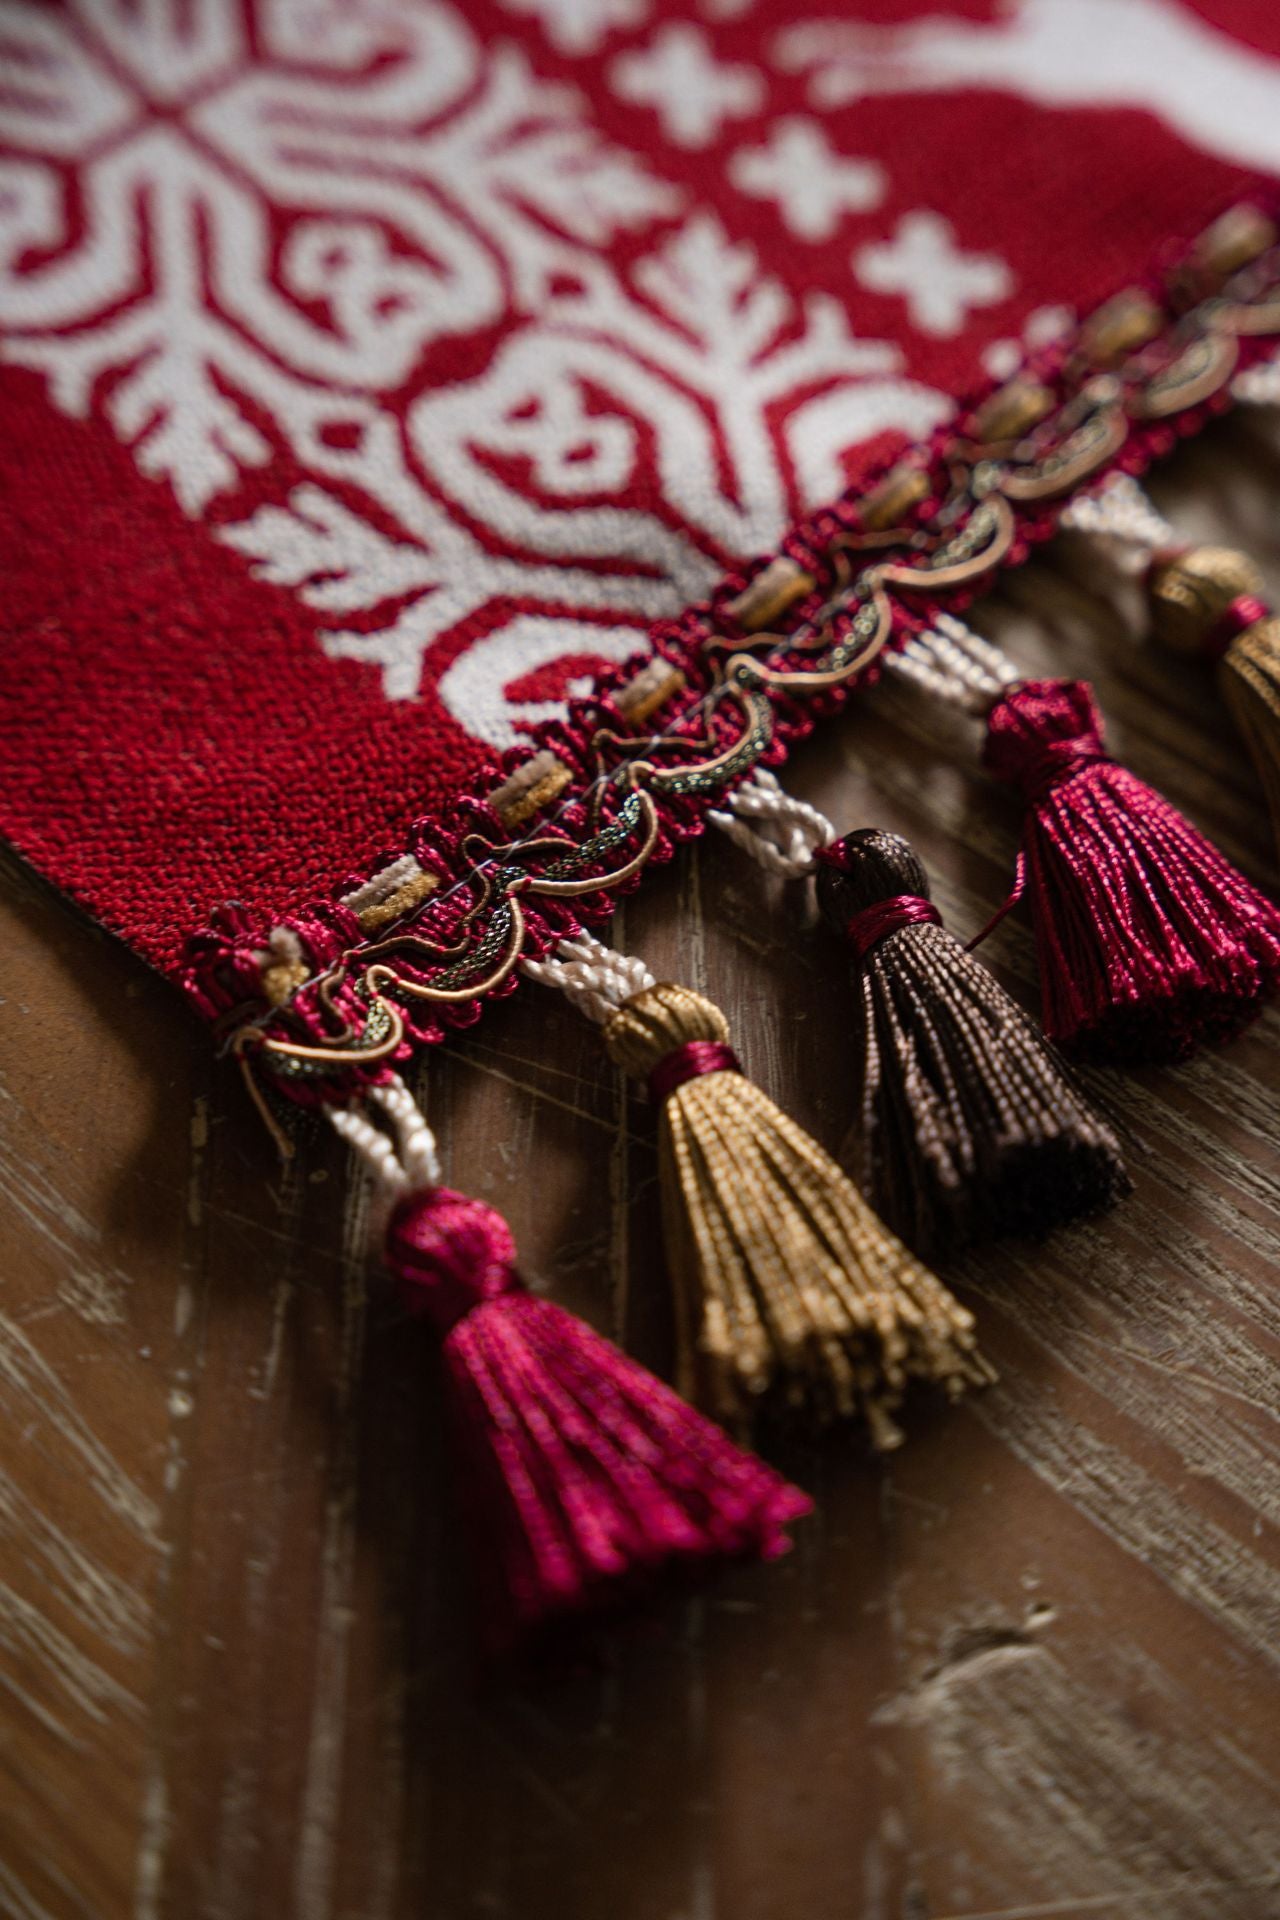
x: 1149, y: 942
x: 583, y: 1476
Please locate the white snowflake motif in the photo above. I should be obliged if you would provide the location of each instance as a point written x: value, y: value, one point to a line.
x: 448, y: 184
x: 937, y: 279
x: 479, y: 681
x: 240, y: 235
x: 813, y: 185
x: 703, y: 386
x: 692, y: 91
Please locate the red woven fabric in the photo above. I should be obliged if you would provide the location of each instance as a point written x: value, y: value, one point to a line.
x: 373, y: 373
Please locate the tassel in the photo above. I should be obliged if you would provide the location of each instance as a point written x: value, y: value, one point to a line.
x: 789, y: 1287
x: 1203, y: 601
x: 1249, y: 675
x: 1149, y: 941
x: 970, y: 1124
x: 1209, y: 601
x: 583, y: 1477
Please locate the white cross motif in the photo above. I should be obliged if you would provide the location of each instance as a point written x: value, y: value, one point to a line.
x: 692, y: 92
x: 813, y: 185
x: 937, y: 279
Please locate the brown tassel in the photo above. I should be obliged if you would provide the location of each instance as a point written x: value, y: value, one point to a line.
x: 1209, y: 601
x: 789, y: 1288
x: 971, y: 1125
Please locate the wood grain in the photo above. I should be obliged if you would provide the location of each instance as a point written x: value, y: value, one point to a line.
x: 1029, y: 1668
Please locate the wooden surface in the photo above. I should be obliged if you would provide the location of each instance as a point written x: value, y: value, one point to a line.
x: 1026, y: 1669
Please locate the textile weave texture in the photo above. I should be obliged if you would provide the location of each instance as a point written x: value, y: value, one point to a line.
x: 376, y: 373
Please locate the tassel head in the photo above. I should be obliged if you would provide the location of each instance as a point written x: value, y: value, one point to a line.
x: 1149, y: 941
x: 1200, y: 598
x: 450, y: 1253
x: 1208, y: 600
x: 1041, y: 734
x: 583, y: 1478
x: 1249, y: 675
x: 789, y: 1290
x: 657, y: 1023
x: 870, y: 884
x: 970, y: 1124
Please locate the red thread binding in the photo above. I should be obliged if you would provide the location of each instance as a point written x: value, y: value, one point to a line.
x: 1244, y: 612
x: 688, y: 1062
x: 867, y: 928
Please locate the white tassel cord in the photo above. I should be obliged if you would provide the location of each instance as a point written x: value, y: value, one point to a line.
x: 1259, y: 386
x: 780, y: 832
x: 955, y: 664
x: 1120, y: 512
x: 595, y: 979
x: 402, y: 1160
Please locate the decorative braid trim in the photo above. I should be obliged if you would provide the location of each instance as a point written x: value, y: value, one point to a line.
x: 510, y: 871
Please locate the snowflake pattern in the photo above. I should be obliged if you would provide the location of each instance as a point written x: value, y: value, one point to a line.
x: 361, y: 290
x: 243, y: 238
x: 576, y: 27
x: 700, y: 355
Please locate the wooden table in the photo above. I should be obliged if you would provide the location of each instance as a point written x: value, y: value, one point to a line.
x: 1026, y: 1668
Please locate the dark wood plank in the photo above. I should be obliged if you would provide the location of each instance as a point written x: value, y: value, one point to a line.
x: 1027, y: 1668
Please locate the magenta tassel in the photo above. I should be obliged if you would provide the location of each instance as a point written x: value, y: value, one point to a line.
x: 1149, y: 942
x: 583, y: 1477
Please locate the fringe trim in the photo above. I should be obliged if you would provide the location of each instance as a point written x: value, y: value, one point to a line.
x: 442, y: 925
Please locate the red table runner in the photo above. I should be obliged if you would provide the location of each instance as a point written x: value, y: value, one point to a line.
x: 374, y: 375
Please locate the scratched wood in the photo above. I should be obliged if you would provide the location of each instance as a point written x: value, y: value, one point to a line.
x: 1027, y: 1668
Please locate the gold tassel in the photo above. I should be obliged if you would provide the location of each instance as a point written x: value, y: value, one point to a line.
x: 1249, y: 675
x: 1209, y: 600
x: 788, y: 1285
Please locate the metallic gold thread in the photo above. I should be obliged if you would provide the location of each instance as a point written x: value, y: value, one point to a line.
x: 1249, y: 675
x: 788, y: 1285
x: 771, y: 595
x: 281, y: 979
x: 383, y: 912
x: 1188, y: 593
